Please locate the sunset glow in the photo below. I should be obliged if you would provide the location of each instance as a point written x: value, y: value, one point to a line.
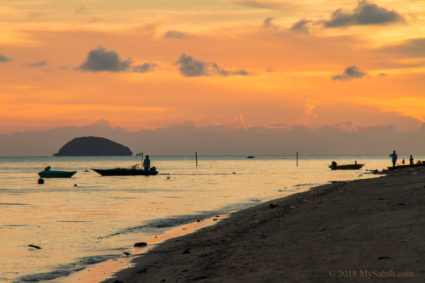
x: 149, y: 64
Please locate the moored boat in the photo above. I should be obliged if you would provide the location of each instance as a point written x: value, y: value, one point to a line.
x: 126, y: 172
x: 355, y: 166
x: 47, y: 173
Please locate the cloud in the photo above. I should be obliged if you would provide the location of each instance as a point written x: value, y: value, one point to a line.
x: 365, y: 13
x: 175, y: 34
x: 411, y: 48
x: 102, y: 60
x: 340, y: 138
x: 300, y: 27
x: 4, y: 59
x: 268, y: 23
x: 190, y: 67
x: 144, y: 68
x: 37, y: 64
x: 351, y: 72
x: 264, y: 4
x: 224, y: 72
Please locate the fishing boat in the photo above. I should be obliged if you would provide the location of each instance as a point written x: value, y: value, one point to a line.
x: 47, y: 173
x: 126, y: 172
x: 355, y: 166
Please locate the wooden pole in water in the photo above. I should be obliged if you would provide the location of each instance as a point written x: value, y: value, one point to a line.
x: 196, y: 158
x: 297, y: 158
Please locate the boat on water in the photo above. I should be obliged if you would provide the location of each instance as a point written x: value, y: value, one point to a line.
x: 355, y: 166
x: 250, y: 156
x: 47, y: 173
x: 126, y: 172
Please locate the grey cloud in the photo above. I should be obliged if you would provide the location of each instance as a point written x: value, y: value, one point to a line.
x: 267, y: 23
x: 190, y: 67
x: 411, y: 48
x: 219, y: 70
x: 264, y: 4
x: 144, y: 68
x: 175, y: 34
x: 240, y: 72
x: 224, y: 72
x: 37, y: 64
x: 4, y: 59
x: 351, y: 72
x: 379, y: 138
x: 365, y: 13
x: 100, y: 59
x: 300, y: 27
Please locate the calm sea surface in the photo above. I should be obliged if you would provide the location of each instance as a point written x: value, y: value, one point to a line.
x: 90, y: 218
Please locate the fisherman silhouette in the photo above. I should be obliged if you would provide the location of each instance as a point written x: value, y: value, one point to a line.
x: 393, y: 157
x: 147, y: 163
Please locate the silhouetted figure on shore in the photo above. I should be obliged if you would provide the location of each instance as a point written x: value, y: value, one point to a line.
x: 411, y: 160
x: 147, y: 163
x: 393, y: 157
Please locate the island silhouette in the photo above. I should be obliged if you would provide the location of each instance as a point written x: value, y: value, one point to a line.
x: 93, y: 146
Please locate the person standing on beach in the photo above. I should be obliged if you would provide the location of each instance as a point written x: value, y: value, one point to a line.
x: 393, y: 157
x: 147, y: 163
x: 411, y: 160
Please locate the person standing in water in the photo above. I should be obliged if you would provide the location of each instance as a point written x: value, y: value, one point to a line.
x: 393, y: 157
x: 411, y: 161
x: 147, y: 163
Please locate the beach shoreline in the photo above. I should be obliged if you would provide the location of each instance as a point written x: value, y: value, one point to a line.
x: 361, y: 230
x: 106, y: 269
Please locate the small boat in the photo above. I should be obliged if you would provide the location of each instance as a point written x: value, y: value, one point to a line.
x: 354, y: 166
x: 47, y: 173
x: 126, y: 172
x: 250, y: 156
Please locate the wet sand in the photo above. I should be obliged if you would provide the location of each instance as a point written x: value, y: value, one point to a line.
x: 104, y: 270
x: 364, y: 231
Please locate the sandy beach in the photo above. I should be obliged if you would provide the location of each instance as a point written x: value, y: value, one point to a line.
x: 364, y: 231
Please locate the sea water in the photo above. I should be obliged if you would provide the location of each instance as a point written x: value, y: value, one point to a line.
x: 89, y: 218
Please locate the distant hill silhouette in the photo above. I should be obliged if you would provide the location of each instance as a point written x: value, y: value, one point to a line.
x: 93, y: 146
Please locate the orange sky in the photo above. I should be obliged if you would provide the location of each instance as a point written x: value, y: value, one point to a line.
x: 239, y: 63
